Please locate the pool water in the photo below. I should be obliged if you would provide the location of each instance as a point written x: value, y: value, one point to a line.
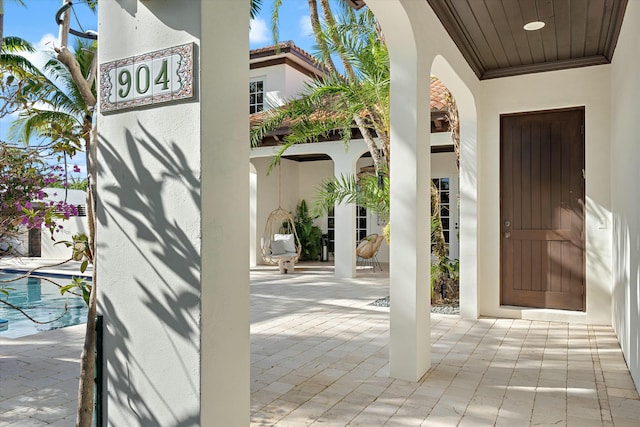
x: 40, y: 300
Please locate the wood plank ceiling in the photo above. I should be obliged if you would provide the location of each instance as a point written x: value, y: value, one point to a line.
x: 490, y: 33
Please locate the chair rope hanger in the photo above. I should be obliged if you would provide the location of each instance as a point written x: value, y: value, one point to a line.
x: 280, y: 240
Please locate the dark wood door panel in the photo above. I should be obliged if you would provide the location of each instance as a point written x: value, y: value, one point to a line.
x: 560, y: 234
x: 542, y: 209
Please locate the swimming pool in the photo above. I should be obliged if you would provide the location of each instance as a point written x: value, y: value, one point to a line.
x: 40, y: 300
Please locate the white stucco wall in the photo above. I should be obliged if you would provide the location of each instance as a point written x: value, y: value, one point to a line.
x: 295, y: 82
x: 297, y: 179
x: 71, y: 226
x: 625, y: 176
x: 586, y: 87
x: 278, y: 189
x: 311, y: 174
x: 173, y: 214
x: 274, y: 84
x: 282, y: 82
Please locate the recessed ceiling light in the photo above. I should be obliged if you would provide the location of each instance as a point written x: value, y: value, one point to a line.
x: 534, y: 25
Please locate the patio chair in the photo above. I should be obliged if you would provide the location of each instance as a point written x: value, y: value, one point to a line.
x: 280, y: 244
x: 367, y: 251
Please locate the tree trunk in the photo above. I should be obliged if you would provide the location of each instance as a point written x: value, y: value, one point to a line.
x: 87, y: 359
x: 371, y: 144
x: 84, y: 417
x: 349, y: 71
x: 317, y: 32
x: 66, y: 57
x: 331, y: 23
x: 1, y: 22
x: 88, y: 363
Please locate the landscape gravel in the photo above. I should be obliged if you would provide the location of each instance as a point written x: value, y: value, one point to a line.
x: 440, y: 309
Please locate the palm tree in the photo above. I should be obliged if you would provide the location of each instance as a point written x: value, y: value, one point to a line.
x: 22, y: 83
x: 334, y: 104
x: 337, y: 104
x: 64, y: 117
x: 357, y: 41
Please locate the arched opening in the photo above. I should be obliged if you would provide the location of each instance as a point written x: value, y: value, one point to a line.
x: 415, y: 43
x: 297, y: 178
x: 467, y: 184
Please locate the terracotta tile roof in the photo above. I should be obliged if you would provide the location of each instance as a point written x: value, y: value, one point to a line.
x: 438, y: 96
x: 438, y: 101
x: 287, y: 47
x: 438, y: 89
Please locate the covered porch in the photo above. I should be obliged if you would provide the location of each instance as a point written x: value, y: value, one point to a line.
x: 174, y: 211
x: 319, y: 356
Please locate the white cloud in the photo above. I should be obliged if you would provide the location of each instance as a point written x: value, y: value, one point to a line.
x: 258, y: 32
x: 305, y: 26
x: 44, y: 49
x: 47, y: 42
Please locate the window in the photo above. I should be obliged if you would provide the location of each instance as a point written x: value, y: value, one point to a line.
x: 361, y: 226
x: 256, y: 96
x: 331, y: 230
x: 361, y: 223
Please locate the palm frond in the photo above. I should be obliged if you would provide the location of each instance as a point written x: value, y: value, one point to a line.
x: 16, y: 44
x: 61, y: 118
x: 255, y: 8
x: 333, y: 191
x: 365, y: 191
x: 17, y: 65
x: 275, y: 21
x: 42, y: 123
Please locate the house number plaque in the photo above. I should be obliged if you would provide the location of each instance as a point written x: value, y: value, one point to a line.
x: 152, y: 78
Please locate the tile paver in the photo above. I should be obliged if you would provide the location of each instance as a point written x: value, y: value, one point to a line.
x: 319, y: 357
x: 35, y: 374
x: 484, y: 372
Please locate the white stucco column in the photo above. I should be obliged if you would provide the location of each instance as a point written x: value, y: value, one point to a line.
x: 410, y: 352
x: 410, y: 355
x: 224, y: 143
x: 345, y: 221
x: 253, y: 216
x: 173, y: 220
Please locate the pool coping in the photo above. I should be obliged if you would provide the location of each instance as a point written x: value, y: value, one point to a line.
x: 21, y: 265
x: 44, y: 273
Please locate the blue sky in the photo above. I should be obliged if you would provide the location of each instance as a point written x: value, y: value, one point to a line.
x: 35, y: 22
x: 294, y: 25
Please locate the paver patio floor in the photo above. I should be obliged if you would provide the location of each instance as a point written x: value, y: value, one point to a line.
x: 319, y: 356
x: 39, y: 378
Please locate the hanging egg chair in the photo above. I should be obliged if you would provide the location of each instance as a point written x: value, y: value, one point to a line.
x: 280, y: 240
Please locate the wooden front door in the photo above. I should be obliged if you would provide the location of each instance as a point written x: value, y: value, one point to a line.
x: 542, y: 209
